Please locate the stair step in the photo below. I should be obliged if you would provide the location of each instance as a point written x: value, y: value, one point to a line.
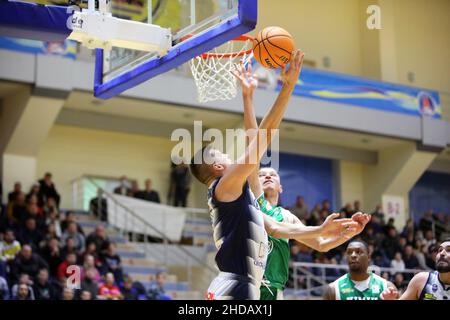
x: 140, y: 262
x: 143, y: 270
x: 151, y: 277
x: 130, y: 254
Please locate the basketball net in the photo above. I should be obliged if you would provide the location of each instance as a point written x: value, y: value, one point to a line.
x: 212, y: 70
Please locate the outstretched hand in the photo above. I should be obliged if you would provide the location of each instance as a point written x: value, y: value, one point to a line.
x: 389, y: 294
x: 248, y: 80
x: 290, y: 77
x: 362, y: 219
x: 333, y: 227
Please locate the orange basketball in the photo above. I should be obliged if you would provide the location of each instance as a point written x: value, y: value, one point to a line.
x: 273, y: 47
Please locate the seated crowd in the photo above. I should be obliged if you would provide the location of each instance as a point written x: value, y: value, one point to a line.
x: 44, y: 257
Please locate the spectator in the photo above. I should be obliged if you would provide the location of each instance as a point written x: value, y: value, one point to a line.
x: 43, y: 288
x: 108, y: 290
x: 50, y: 206
x: 410, y: 258
x: 127, y: 289
x: 89, y: 284
x: 23, y: 293
x: 429, y: 238
x: 30, y: 234
x: 326, y: 205
x: 16, y: 191
x: 180, y: 182
x: 123, y: 188
x: 63, y: 274
x: 53, y: 219
x: 399, y: 282
x: 421, y: 257
x: 85, y: 295
x: 427, y: 221
x: 52, y: 254
x: 314, y: 217
x: 98, y: 237
x: 4, y: 290
x: 347, y: 210
x: 17, y: 211
x: 408, y: 229
x: 69, y: 248
x: 156, y: 290
x: 295, y: 251
x: 378, y: 214
x: 9, y: 247
x: 89, y: 264
x: 35, y: 190
x: 397, y: 263
x: 48, y: 189
x: 391, y: 243
x: 72, y: 232
x: 91, y: 249
x: 98, y: 206
x: 134, y: 190
x: 68, y: 294
x: 148, y: 194
x: 300, y: 210
x: 34, y: 212
x: 71, y: 217
x: 27, y: 262
x: 24, y: 279
x: 111, y: 262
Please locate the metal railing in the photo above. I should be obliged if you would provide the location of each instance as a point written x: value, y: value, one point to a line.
x: 314, y: 277
x: 141, y: 239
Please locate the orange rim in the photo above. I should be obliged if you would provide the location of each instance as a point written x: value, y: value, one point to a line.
x: 242, y: 38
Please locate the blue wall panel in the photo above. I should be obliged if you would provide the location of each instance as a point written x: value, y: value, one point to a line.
x: 307, y: 176
x: 432, y: 191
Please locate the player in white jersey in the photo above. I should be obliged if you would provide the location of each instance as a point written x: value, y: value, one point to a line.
x: 434, y: 285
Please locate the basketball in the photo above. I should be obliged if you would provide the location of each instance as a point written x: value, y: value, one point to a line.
x: 273, y: 47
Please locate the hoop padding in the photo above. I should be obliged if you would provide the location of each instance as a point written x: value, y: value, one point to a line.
x: 212, y: 70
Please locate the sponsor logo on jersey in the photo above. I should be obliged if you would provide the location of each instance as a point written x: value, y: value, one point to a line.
x: 376, y: 289
x: 347, y: 290
x: 430, y: 296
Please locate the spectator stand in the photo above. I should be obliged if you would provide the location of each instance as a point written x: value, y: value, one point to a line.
x: 145, y: 247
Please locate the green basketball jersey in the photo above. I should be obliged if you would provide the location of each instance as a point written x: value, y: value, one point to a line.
x: 277, y: 265
x: 370, y: 289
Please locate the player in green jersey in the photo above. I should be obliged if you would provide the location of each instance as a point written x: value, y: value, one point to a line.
x: 358, y: 283
x: 277, y: 266
x: 266, y: 186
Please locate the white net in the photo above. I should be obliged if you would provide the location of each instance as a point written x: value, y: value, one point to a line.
x: 212, y: 71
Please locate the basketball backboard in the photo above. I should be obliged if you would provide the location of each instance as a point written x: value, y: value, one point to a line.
x: 196, y: 26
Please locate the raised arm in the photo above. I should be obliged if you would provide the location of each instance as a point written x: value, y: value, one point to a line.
x: 249, y: 83
x: 323, y: 244
x: 332, y: 227
x: 229, y: 187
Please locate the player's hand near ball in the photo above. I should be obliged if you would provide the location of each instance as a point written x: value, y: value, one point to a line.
x: 248, y: 80
x: 290, y: 76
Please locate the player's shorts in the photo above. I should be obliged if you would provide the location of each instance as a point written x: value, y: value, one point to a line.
x: 271, y: 293
x: 230, y: 286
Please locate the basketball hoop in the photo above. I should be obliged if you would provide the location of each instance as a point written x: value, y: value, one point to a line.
x: 212, y: 70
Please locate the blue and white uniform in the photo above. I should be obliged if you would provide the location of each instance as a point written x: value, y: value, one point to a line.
x: 241, y: 240
x: 434, y: 289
